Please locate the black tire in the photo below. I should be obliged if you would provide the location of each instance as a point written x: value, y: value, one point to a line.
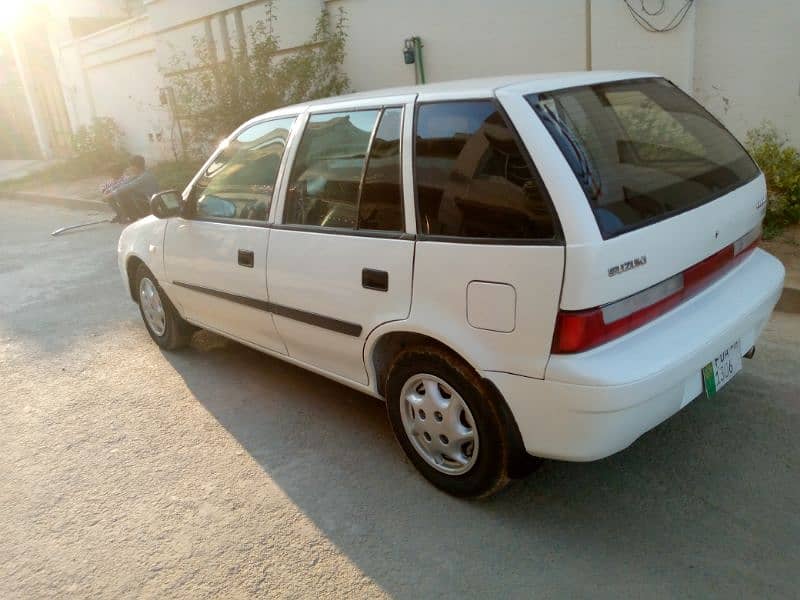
x: 177, y: 332
x: 489, y: 473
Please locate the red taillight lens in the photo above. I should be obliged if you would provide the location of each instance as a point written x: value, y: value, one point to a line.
x: 580, y: 330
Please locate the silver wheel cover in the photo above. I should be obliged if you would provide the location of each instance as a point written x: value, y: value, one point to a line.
x: 439, y: 424
x: 152, y: 308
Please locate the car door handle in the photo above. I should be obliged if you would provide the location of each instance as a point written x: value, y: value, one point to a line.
x: 374, y: 279
x: 246, y: 258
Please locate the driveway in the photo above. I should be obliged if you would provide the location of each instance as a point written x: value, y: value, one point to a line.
x: 219, y: 471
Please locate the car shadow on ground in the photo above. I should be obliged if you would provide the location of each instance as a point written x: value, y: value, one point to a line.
x: 706, y: 499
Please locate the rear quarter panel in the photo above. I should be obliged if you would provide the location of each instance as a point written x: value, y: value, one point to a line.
x: 442, y: 274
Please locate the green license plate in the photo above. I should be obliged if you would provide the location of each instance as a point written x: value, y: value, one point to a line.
x: 722, y: 369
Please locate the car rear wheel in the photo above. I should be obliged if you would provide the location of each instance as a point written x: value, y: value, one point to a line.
x: 443, y: 417
x: 160, y: 317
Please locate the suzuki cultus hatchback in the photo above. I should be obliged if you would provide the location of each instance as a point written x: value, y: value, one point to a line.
x: 541, y: 266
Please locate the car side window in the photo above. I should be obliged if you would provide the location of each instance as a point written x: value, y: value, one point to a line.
x: 473, y: 178
x: 326, y: 175
x: 240, y: 183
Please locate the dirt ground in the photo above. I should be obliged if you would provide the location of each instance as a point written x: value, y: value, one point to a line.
x: 219, y: 472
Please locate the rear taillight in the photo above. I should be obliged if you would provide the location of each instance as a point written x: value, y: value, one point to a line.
x: 581, y: 330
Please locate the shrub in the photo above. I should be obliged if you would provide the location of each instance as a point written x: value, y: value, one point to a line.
x: 97, y: 146
x: 780, y: 163
x: 216, y: 97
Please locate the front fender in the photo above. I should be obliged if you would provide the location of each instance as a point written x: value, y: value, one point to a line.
x: 144, y: 240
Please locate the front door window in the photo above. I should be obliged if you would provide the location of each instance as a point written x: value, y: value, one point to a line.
x: 240, y: 183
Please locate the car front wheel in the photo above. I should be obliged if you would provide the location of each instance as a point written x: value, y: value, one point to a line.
x: 160, y: 317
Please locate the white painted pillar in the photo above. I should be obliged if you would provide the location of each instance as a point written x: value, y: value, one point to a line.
x: 39, y: 128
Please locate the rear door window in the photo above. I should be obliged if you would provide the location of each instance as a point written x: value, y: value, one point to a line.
x: 642, y: 150
x: 347, y: 172
x: 326, y: 176
x: 381, y: 204
x: 473, y: 178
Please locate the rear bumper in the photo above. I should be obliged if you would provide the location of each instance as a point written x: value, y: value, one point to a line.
x: 594, y: 404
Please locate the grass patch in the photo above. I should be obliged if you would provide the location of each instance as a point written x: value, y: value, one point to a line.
x: 95, y: 148
x: 175, y: 175
x: 68, y: 170
x: 171, y: 175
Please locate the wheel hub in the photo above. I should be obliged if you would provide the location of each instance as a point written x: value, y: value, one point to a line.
x: 152, y: 308
x: 439, y: 424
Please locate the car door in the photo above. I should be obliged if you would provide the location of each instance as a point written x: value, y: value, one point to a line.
x: 339, y: 263
x: 216, y: 256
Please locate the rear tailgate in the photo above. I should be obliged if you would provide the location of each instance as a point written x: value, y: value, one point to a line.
x: 609, y: 270
x: 674, y: 197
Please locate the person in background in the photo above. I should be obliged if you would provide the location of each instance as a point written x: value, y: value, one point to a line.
x: 131, y: 199
x: 117, y: 176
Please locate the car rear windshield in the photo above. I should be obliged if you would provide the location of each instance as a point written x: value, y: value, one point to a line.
x: 642, y: 150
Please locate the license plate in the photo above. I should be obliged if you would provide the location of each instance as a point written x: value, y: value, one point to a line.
x: 722, y: 369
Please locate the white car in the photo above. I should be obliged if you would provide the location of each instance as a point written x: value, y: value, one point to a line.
x: 540, y: 266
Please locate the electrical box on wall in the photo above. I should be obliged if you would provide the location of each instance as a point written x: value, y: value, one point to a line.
x: 412, y: 55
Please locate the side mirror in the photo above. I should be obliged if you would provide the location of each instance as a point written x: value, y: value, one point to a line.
x: 166, y: 204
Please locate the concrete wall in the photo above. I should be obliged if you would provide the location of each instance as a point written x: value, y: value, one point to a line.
x: 177, y: 23
x: 89, y: 8
x: 117, y: 72
x: 127, y: 91
x: 473, y: 39
x: 619, y: 42
x: 737, y: 57
x: 746, y: 63
x: 113, y: 73
x: 461, y: 39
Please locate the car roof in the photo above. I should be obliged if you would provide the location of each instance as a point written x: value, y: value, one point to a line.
x: 472, y: 88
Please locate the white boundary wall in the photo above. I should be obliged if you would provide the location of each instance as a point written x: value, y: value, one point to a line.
x: 739, y: 58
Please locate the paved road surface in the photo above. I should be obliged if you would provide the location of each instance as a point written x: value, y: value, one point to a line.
x: 127, y: 472
x: 12, y: 169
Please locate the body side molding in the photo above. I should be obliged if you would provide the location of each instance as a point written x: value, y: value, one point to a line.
x: 317, y: 320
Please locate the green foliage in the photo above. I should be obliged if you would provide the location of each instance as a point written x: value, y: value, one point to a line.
x: 95, y: 149
x: 216, y: 96
x: 97, y: 146
x: 780, y: 163
x: 175, y: 175
x: 67, y: 170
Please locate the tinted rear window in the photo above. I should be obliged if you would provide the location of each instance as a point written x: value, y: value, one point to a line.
x: 473, y: 179
x: 642, y: 150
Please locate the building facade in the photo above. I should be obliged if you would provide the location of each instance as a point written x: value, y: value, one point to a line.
x: 736, y: 57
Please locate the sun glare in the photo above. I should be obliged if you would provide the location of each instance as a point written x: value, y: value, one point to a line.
x: 10, y: 13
